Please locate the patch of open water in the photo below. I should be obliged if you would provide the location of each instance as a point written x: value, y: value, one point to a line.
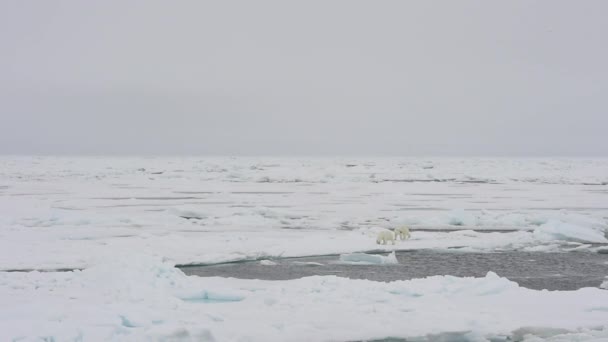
x: 535, y: 270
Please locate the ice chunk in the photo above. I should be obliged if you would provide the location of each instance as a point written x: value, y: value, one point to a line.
x: 307, y: 263
x: 604, y: 285
x: 557, y: 230
x: 369, y: 259
x: 267, y: 263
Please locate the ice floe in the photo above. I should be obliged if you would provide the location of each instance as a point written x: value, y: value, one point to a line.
x: 369, y: 259
x: 557, y: 230
x: 147, y: 298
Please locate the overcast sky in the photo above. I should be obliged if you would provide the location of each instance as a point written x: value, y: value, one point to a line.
x: 458, y: 78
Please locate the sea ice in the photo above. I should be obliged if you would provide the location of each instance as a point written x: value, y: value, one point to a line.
x: 369, y: 259
x: 147, y: 299
x: 557, y: 230
x: 267, y: 263
x: 100, y: 214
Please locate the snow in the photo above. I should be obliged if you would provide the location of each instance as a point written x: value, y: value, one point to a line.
x: 146, y: 298
x: 124, y: 223
x: 31, y: 248
x: 72, y: 212
x: 556, y: 230
x: 541, y: 333
x: 368, y: 259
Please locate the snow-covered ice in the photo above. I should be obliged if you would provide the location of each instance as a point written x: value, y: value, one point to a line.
x: 127, y: 221
x: 60, y: 212
x: 369, y: 259
x: 147, y: 299
x: 557, y: 230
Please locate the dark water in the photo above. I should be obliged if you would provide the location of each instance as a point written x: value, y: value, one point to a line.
x: 552, y: 271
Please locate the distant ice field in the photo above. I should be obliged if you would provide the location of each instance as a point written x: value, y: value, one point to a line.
x: 69, y: 212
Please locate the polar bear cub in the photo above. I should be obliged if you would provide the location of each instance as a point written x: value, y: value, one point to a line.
x: 402, y: 232
x: 385, y: 236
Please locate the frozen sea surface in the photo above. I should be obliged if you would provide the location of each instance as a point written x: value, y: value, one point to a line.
x: 551, y: 271
x: 147, y: 299
x: 126, y: 223
x: 71, y: 212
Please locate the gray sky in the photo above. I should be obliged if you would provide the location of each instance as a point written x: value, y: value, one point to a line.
x: 503, y: 78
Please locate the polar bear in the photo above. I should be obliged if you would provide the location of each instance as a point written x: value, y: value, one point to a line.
x: 402, y: 232
x: 384, y: 236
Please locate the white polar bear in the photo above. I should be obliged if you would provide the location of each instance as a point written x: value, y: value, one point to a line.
x: 384, y: 236
x: 402, y: 232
